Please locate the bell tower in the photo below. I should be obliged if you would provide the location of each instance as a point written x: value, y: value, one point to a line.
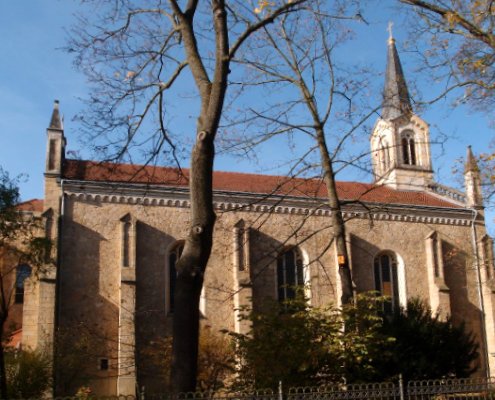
x: 400, y: 141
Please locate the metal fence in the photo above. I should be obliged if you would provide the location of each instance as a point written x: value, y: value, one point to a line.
x: 452, y: 389
x: 258, y: 395
x: 445, y: 389
x: 385, y: 391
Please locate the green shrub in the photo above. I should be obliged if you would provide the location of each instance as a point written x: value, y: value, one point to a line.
x: 28, y: 374
x: 426, y: 346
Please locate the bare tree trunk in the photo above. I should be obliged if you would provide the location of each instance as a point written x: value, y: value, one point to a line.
x: 337, y: 219
x: 197, y: 249
x: 174, y: 49
x: 191, y: 267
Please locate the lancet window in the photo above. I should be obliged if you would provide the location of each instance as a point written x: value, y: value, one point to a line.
x: 386, y: 280
x: 290, y: 273
x: 23, y: 272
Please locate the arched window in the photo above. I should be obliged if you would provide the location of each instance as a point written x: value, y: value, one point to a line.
x: 290, y: 273
x: 173, y: 256
x: 23, y: 272
x: 385, y: 158
x: 126, y: 233
x: 387, y: 280
x: 408, y: 149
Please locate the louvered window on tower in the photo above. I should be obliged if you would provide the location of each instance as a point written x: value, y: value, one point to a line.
x: 408, y: 150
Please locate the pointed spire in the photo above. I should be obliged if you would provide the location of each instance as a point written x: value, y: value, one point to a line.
x: 472, y: 181
x: 471, y: 165
x: 396, y: 99
x: 56, y: 122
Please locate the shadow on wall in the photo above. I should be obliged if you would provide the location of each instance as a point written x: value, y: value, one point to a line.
x: 88, y: 319
x: 152, y: 323
x: 457, y: 264
x: 264, y: 251
x: 363, y: 253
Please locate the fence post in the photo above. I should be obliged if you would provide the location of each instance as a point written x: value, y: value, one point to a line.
x: 401, y: 387
x: 280, y: 391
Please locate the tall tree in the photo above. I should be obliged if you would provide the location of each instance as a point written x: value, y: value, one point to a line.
x: 319, y: 103
x: 461, y: 45
x: 459, y: 38
x: 22, y: 253
x: 136, y: 54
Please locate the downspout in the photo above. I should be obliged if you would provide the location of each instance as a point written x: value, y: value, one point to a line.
x: 57, y: 285
x: 59, y: 252
x: 480, y: 291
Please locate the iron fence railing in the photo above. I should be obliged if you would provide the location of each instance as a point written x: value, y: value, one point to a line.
x: 383, y: 391
x: 257, y: 395
x: 452, y: 389
x: 445, y: 389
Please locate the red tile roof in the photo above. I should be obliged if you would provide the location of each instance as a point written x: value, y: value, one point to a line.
x: 31, y: 205
x: 247, y: 183
x: 15, y: 339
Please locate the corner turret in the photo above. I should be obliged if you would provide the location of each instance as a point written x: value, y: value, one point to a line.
x: 55, y: 149
x: 472, y: 179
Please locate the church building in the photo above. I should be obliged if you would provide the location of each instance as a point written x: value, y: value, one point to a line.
x: 119, y: 230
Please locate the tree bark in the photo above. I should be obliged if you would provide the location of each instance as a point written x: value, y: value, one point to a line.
x: 337, y: 220
x: 191, y: 267
x: 197, y: 249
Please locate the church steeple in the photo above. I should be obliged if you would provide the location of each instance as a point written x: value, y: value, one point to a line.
x: 396, y: 101
x: 400, y: 141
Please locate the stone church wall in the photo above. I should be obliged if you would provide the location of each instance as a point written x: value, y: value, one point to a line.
x: 91, y: 290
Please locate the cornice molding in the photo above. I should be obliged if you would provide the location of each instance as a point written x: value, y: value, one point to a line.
x: 249, y: 202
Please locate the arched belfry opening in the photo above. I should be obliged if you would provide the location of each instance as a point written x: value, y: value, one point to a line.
x: 408, y: 148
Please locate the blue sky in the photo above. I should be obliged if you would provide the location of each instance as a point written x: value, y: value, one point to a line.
x: 34, y: 72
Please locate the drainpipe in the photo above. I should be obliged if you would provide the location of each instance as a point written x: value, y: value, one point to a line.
x: 57, y: 284
x: 59, y: 252
x: 480, y: 291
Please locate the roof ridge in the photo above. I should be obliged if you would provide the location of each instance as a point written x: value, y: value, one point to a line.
x: 170, y: 168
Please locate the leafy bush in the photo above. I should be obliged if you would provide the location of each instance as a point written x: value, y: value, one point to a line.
x: 425, y: 346
x: 28, y: 374
x: 302, y: 345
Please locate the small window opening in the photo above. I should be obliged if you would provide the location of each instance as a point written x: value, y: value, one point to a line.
x: 103, y: 364
x: 51, y: 155
x: 22, y: 273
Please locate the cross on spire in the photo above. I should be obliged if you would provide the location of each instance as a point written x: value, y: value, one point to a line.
x: 389, y: 29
